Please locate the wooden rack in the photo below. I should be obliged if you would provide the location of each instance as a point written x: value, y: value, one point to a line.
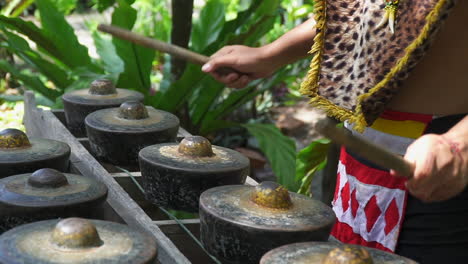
x: 125, y: 202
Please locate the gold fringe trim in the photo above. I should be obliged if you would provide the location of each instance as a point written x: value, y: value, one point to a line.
x: 310, y: 85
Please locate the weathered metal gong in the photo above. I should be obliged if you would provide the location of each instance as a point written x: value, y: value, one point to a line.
x: 101, y: 94
x: 174, y: 175
x: 330, y: 253
x: 117, y: 135
x: 77, y: 241
x: 20, y: 154
x: 47, y: 194
x: 241, y: 223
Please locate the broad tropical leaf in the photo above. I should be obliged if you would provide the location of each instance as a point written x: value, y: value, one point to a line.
x: 172, y: 98
x: 206, y: 30
x: 112, y: 63
x: 279, y: 150
x: 54, y: 73
x: 137, y: 60
x: 311, y: 156
x: 33, y: 33
x: 30, y: 81
x: 59, y: 32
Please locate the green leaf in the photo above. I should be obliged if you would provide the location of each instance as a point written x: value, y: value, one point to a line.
x: 307, y: 180
x: 310, y: 157
x: 237, y: 98
x: 179, y: 91
x: 33, y: 33
x: 15, y: 7
x: 242, y: 18
x: 137, y: 60
x: 106, y: 50
x: 211, y: 126
x: 40, y: 100
x: 58, y: 31
x: 104, y: 4
x: 30, y: 81
x: 54, y: 73
x: 206, y: 30
x: 258, y: 30
x: 204, y: 97
x: 279, y: 150
x: 64, y: 6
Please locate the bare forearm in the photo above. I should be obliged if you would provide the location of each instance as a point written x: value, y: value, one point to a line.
x: 254, y: 63
x: 293, y: 45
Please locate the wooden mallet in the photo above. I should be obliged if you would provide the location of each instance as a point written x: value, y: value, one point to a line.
x: 161, y: 46
x: 362, y: 147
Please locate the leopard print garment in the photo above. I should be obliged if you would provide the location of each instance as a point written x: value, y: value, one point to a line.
x: 360, y: 67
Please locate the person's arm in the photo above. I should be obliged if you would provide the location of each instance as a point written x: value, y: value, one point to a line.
x: 441, y: 164
x: 253, y: 63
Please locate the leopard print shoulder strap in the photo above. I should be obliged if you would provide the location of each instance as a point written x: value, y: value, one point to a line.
x: 358, y: 66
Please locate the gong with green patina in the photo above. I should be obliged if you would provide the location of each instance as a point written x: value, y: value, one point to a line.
x: 77, y: 241
x: 20, y: 154
x: 241, y: 223
x: 100, y: 95
x: 325, y: 252
x: 175, y: 174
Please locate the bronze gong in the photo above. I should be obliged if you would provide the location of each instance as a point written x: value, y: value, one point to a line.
x: 117, y: 135
x: 100, y: 95
x: 174, y: 175
x: 241, y: 223
x: 77, y: 241
x: 47, y: 194
x: 20, y: 154
x: 330, y: 253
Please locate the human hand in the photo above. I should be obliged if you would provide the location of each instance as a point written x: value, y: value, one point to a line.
x: 249, y: 64
x: 441, y: 168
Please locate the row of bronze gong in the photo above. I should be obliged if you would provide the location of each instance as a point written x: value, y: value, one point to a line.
x: 239, y: 223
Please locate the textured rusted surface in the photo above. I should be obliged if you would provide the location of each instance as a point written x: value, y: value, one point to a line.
x: 75, y: 233
x: 13, y: 138
x: 78, y: 104
x: 118, y: 140
x: 174, y: 180
x: 271, y: 195
x: 237, y: 230
x: 348, y: 254
x: 317, y: 252
x: 21, y: 202
x: 195, y: 146
x: 133, y: 110
x: 35, y: 243
x: 40, y: 153
x: 102, y: 87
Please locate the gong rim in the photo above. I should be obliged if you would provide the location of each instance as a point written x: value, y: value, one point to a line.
x: 14, y: 191
x: 153, y: 156
x: 13, y: 249
x: 82, y: 97
x: 308, y: 214
x: 302, y: 253
x: 158, y: 121
x: 41, y: 149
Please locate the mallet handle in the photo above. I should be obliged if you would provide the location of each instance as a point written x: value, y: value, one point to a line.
x: 174, y: 50
x: 364, y: 148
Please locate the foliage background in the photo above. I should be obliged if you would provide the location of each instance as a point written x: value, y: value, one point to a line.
x: 49, y: 59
